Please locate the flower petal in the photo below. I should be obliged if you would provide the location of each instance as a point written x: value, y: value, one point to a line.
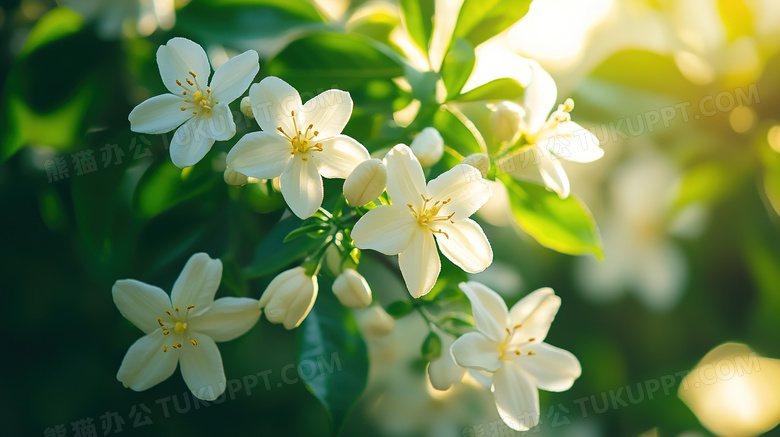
x: 177, y: 59
x: 476, y: 351
x: 387, y: 229
x: 329, y: 112
x: 197, y: 283
x: 340, y: 155
x: 227, y: 318
x: 201, y: 367
x: 537, y: 324
x: 488, y: 308
x: 420, y: 263
x: 572, y: 142
x: 528, y: 304
x: 273, y: 100
x: 234, y: 76
x: 553, y: 174
x: 443, y: 372
x: 220, y: 124
x: 140, y: 303
x: 158, y: 114
x: 145, y: 364
x: 464, y: 190
x: 190, y: 144
x: 405, y: 178
x: 539, y: 98
x: 262, y: 155
x: 516, y: 398
x: 464, y: 243
x: 552, y: 368
x: 301, y: 187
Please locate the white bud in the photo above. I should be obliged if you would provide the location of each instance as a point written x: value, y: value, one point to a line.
x: 333, y: 258
x: 246, y: 107
x: 366, y: 182
x: 233, y: 177
x: 289, y: 297
x: 506, y: 120
x: 352, y: 290
x: 374, y: 322
x: 480, y: 161
x: 428, y: 146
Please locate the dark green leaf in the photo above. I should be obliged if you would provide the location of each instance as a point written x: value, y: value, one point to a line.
x: 329, y: 343
x: 312, y: 230
x: 457, y: 66
x: 480, y: 20
x: 499, y: 89
x: 431, y: 347
x: 399, y: 308
x: 455, y: 134
x: 418, y: 19
x: 564, y: 225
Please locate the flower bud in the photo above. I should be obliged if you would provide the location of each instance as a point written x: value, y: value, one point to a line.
x: 374, y: 322
x: 246, y: 107
x: 480, y: 161
x: 352, y: 290
x: 428, y: 146
x: 233, y: 177
x: 289, y: 297
x: 366, y: 182
x: 506, y: 120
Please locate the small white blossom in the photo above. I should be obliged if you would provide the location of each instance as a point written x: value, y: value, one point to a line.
x: 352, y: 290
x: 428, y: 146
x: 506, y: 121
x: 366, y: 183
x: 289, y: 297
x: 480, y: 161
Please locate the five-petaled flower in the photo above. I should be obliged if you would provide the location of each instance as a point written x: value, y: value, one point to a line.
x: 508, y: 349
x: 300, y: 142
x: 182, y: 328
x: 556, y: 137
x: 407, y: 227
x: 202, y: 107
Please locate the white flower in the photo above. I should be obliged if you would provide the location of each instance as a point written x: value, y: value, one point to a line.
x: 420, y: 212
x: 480, y: 161
x: 506, y: 121
x: 428, y: 146
x: 300, y: 142
x: 201, y: 106
x: 366, y: 183
x: 289, y: 297
x: 509, y: 346
x: 182, y: 328
x: 556, y: 137
x: 352, y: 290
x: 374, y: 322
x: 443, y: 372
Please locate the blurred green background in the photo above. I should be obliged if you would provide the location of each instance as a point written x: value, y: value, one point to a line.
x: 687, y: 207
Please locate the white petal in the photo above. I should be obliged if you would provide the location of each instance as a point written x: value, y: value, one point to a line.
x: 273, y: 100
x: 197, y: 283
x: 387, y: 229
x: 463, y: 188
x: 339, y: 157
x: 145, y: 364
x: 301, y: 306
x: 329, y: 112
x: 177, y: 59
x: 227, y: 318
x: 234, y: 76
x: 464, y: 244
x: 158, y: 114
x: 539, y: 98
x: 528, y: 304
x: 537, y: 324
x: 516, y: 398
x: 301, y: 187
x: 261, y: 155
x: 420, y: 263
x: 190, y: 144
x: 553, y: 174
x: 488, y: 308
x: 475, y: 351
x: 218, y: 123
x: 572, y: 142
x: 201, y: 367
x: 405, y: 178
x: 443, y: 372
x: 552, y: 368
x: 140, y: 303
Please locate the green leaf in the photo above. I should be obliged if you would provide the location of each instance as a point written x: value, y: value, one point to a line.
x: 273, y: 254
x: 399, y: 308
x: 418, y: 20
x: 332, y: 357
x: 57, y: 23
x: 455, y: 134
x: 457, y: 66
x: 431, y: 347
x: 480, y: 20
x: 499, y: 89
x: 311, y: 230
x: 164, y: 186
x: 564, y: 225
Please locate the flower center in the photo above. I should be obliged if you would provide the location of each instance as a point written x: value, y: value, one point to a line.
x: 198, y: 100
x: 429, y: 215
x: 176, y: 321
x: 511, y: 347
x: 560, y: 115
x: 302, y: 142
